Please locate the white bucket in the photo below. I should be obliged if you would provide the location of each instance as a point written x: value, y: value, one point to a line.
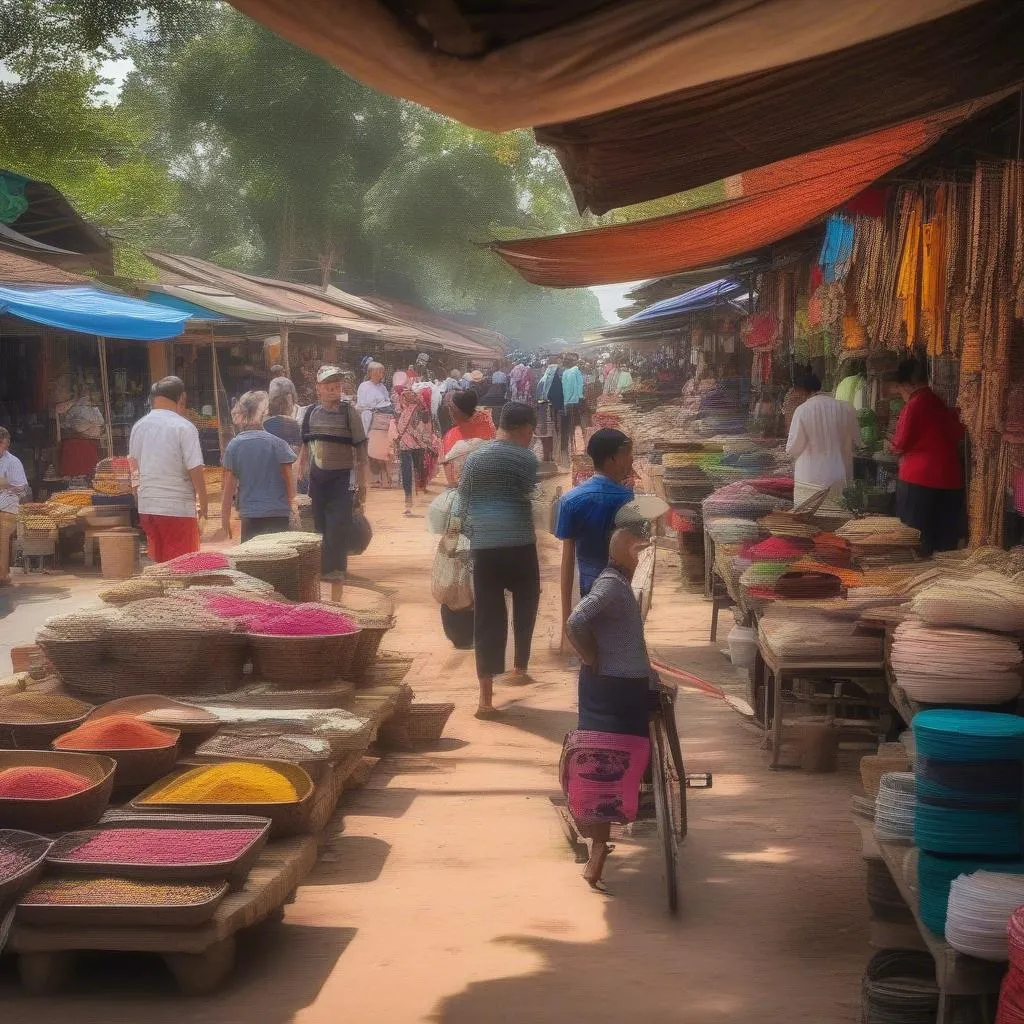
x: 742, y: 646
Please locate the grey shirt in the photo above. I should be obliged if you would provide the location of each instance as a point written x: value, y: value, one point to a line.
x: 256, y: 458
x: 610, y: 613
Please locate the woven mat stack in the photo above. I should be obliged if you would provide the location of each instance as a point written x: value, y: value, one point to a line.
x: 961, y: 646
x: 796, y: 633
x: 879, y: 540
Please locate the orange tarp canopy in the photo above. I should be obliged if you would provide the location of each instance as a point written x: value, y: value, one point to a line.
x: 776, y: 201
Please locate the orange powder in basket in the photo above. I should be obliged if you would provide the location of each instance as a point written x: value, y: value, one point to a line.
x: 116, y: 732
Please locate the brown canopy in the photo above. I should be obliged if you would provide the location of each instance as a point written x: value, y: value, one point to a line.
x: 501, y: 64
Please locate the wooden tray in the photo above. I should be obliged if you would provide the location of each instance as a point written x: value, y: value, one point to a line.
x: 235, y: 870
x: 114, y: 915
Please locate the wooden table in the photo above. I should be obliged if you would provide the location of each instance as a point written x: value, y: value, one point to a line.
x: 771, y: 672
x: 959, y: 977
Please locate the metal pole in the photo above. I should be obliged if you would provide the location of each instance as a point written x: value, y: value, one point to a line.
x: 101, y: 344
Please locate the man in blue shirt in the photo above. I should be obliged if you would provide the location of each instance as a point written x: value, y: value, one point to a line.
x: 586, y: 515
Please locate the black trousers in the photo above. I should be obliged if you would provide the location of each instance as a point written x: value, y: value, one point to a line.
x: 938, y: 512
x: 264, y: 524
x: 332, y: 518
x: 496, y: 570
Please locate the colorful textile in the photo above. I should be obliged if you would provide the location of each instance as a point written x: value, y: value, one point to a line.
x: 601, y: 774
x: 928, y: 436
x: 522, y: 385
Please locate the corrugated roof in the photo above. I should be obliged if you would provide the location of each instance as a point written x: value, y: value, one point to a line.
x: 777, y: 201
x: 16, y: 269
x: 336, y: 307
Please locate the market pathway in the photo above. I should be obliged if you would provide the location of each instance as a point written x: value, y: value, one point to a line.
x: 448, y: 895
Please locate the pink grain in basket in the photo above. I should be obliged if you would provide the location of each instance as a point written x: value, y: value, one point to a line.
x: 303, y: 620
x: 227, y: 606
x: 198, y: 561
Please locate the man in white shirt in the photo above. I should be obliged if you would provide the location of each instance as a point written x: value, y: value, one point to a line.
x: 165, y: 447
x: 822, y: 437
x: 13, y: 487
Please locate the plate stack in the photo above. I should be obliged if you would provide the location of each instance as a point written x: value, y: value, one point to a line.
x: 968, y: 815
x: 1011, y: 995
x: 979, y: 911
x: 945, y: 665
x: 894, y: 808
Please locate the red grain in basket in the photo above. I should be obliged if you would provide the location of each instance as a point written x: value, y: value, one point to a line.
x: 198, y: 561
x: 35, y: 782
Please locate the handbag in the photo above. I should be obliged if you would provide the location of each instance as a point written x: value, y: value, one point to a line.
x: 361, y: 534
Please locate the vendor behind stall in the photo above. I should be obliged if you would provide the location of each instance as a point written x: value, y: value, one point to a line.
x: 930, y: 488
x: 81, y: 428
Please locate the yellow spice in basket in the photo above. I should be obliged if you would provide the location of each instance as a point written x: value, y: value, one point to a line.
x: 236, y: 782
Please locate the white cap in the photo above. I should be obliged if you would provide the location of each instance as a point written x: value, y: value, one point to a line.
x: 328, y: 373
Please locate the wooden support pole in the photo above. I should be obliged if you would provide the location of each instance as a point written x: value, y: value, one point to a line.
x: 101, y: 344
x: 285, y: 360
x: 216, y: 395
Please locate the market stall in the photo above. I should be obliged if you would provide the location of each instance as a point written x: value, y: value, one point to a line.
x: 168, y: 811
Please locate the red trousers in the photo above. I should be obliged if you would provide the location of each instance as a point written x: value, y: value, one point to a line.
x: 170, y: 536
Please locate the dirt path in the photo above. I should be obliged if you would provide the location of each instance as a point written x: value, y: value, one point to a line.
x: 448, y: 894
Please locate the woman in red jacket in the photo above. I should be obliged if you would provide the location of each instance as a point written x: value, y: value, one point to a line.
x: 930, y: 489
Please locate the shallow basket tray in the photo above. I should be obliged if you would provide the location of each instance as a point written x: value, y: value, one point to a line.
x: 64, y: 813
x: 235, y: 870
x: 129, y: 915
x: 36, y: 847
x: 138, y: 766
x: 36, y: 735
x: 424, y: 723
x: 303, y: 661
x: 286, y: 819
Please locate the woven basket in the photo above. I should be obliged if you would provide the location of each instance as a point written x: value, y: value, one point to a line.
x: 874, y: 766
x: 173, y: 662
x: 32, y: 846
x: 309, y: 572
x: 286, y: 819
x: 65, y: 813
x: 234, y: 870
x: 424, y: 723
x: 138, y: 767
x: 83, y: 665
x: 303, y: 661
x: 36, y: 735
x: 373, y: 623
x: 191, y: 722
x: 280, y: 570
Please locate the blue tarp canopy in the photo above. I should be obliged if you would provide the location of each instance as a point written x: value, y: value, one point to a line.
x: 89, y: 310
x: 707, y: 296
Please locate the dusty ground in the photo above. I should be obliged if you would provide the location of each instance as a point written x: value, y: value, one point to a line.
x: 447, y: 893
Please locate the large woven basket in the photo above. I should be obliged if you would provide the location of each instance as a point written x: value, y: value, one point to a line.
x: 874, y: 766
x: 37, y: 735
x: 309, y: 570
x: 30, y: 845
x: 65, y: 813
x: 173, y: 662
x: 303, y: 661
x: 281, y: 569
x: 83, y: 665
x: 194, y: 724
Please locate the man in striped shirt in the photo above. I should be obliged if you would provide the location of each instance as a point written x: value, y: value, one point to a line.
x: 496, y: 513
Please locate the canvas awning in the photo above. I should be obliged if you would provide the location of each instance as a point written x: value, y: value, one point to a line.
x: 522, y: 63
x: 88, y: 310
x: 686, y: 138
x: 775, y: 202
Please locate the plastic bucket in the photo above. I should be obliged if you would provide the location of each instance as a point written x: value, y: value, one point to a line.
x: 118, y: 553
x: 742, y: 646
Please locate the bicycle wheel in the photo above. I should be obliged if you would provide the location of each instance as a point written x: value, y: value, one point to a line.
x: 663, y: 811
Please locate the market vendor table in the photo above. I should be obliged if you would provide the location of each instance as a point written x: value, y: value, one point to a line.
x: 959, y: 977
x: 199, y: 958
x: 771, y: 671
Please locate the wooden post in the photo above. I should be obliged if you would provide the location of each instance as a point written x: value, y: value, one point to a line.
x: 285, y: 361
x: 101, y: 344
x: 216, y: 395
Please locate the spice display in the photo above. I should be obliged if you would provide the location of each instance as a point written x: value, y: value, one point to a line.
x: 36, y: 782
x: 115, y: 732
x: 163, y: 846
x: 30, y: 707
x: 236, y: 782
x: 304, y: 620
x: 198, y: 561
x: 169, y: 613
x: 117, y: 892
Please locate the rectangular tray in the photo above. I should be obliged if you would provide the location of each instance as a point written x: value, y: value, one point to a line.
x: 112, y: 915
x: 235, y: 871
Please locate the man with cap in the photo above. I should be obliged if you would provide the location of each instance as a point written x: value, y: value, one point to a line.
x: 334, y: 451
x: 586, y: 514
